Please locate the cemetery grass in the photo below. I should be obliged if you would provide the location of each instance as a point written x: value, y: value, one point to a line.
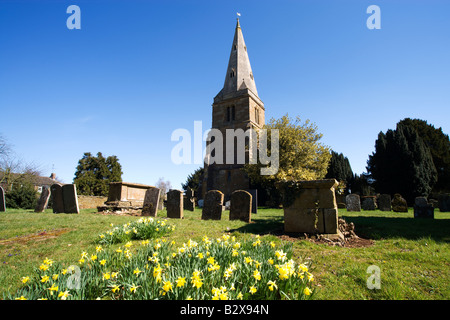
x: 413, y: 254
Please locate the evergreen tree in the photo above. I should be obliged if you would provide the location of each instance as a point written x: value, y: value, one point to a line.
x: 94, y: 174
x: 439, y: 145
x: 402, y: 163
x: 193, y: 180
x: 339, y: 168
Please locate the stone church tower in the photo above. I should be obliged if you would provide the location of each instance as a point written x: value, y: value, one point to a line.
x: 236, y: 106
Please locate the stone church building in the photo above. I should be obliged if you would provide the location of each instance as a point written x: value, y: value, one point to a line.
x: 236, y: 106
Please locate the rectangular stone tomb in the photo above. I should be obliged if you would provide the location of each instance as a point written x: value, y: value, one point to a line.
x: 123, y: 196
x: 313, y: 208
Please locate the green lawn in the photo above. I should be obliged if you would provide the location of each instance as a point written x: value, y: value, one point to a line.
x: 412, y: 254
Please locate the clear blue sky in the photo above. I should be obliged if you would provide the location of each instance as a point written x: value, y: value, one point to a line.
x: 138, y: 70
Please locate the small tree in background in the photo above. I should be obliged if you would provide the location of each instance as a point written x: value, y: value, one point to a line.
x: 165, y: 186
x: 94, y: 174
x: 301, y: 157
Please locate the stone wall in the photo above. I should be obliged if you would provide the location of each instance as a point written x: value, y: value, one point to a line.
x: 90, y: 202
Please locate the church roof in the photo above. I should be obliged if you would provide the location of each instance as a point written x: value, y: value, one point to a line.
x: 239, y: 72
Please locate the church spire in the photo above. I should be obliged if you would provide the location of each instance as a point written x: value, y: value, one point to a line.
x: 239, y: 73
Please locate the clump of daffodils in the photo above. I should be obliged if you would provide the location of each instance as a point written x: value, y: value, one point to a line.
x: 144, y: 228
x: 218, y: 269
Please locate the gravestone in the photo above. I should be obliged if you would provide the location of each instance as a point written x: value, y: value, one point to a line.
x: 151, y: 202
x: 384, y: 202
x: 57, y: 198
x: 189, y: 201
x: 444, y: 202
x: 423, y: 209
x: 353, y: 202
x: 175, y: 204
x: 254, y: 193
x: 200, y: 203
x: 399, y: 204
x: 43, y: 200
x: 2, y: 200
x: 241, y: 206
x: 70, y: 199
x: 369, y: 203
x: 212, y: 205
x: 314, y: 209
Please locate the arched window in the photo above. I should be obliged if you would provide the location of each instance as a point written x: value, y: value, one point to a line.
x: 232, y: 73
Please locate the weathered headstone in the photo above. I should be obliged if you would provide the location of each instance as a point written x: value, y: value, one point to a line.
x: 189, y: 201
x: 423, y: 209
x: 444, y: 202
x: 314, y: 208
x: 43, y: 200
x: 175, y: 204
x: 241, y: 206
x: 254, y: 193
x: 213, y: 205
x: 70, y: 199
x: 200, y: 203
x: 384, y: 202
x: 2, y: 200
x: 369, y: 203
x: 57, y: 198
x: 151, y: 201
x: 399, y: 204
x: 353, y: 202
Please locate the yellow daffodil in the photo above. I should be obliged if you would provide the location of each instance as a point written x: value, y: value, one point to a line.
x: 272, y: 285
x: 307, y: 291
x: 55, y: 276
x: 94, y: 257
x: 257, y: 275
x: 106, y: 276
x: 102, y: 262
x: 21, y: 298
x: 44, y: 279
x: 167, y: 286
x: 63, y: 295
x: 53, y: 288
x: 115, y: 289
x: 252, y: 290
x: 240, y: 296
x: 180, y: 282
x: 137, y: 271
x: 43, y: 267
x: 25, y: 279
x: 98, y: 248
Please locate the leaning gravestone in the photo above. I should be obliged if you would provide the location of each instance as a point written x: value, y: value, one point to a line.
x: 353, y: 202
x: 369, y: 203
x: 212, y: 205
x: 241, y: 206
x: 384, y: 202
x: 57, y: 198
x: 399, y: 204
x: 444, y: 202
x: 175, y: 204
x: 70, y: 199
x: 151, y: 202
x: 43, y: 200
x: 2, y: 200
x: 423, y: 209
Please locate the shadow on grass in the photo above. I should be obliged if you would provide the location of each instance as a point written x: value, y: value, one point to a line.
x: 408, y: 228
x: 261, y: 226
x: 374, y: 228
